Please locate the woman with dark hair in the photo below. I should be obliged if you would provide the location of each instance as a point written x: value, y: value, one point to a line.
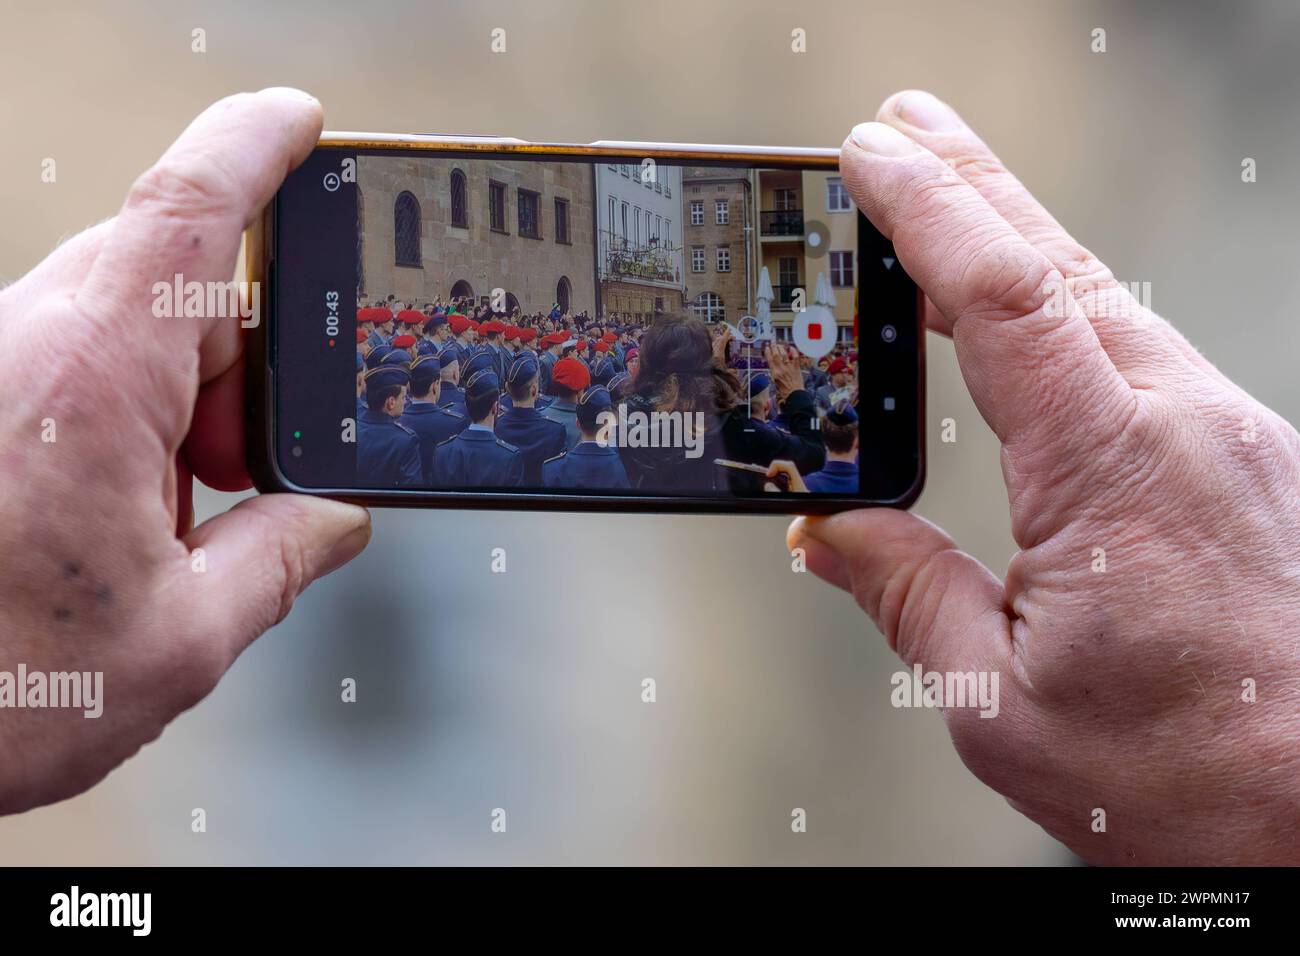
x: 679, y: 372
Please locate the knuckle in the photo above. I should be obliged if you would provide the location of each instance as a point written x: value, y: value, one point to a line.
x: 184, y: 186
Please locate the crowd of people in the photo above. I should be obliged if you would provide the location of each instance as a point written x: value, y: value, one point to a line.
x: 454, y: 395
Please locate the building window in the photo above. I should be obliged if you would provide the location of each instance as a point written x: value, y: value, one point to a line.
x: 530, y: 218
x: 636, y: 224
x: 563, y: 292
x: 697, y: 212
x: 614, y: 166
x: 668, y: 191
x: 668, y: 234
x: 623, y: 169
x: 562, y: 221
x: 697, y: 258
x: 659, y: 303
x: 787, y: 271
x: 837, y: 197
x: 785, y: 200
x: 659, y: 187
x: 659, y: 227
x: 708, y: 306
x: 649, y: 219
x: 721, y: 212
x: 842, y: 268
x: 724, y: 258
x: 623, y: 216
x: 406, y: 231
x: 497, y: 206
x: 459, y: 207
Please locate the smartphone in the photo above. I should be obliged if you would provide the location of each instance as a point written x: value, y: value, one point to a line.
x: 464, y: 321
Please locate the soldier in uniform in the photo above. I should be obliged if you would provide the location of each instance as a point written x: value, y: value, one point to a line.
x: 750, y: 437
x: 841, y: 377
x: 840, y: 432
x: 594, y: 462
x: 437, y: 331
x: 522, y: 425
x: 430, y: 423
x: 388, y: 453
x: 476, y: 457
x: 568, y: 378
x: 550, y: 355
x: 449, y: 394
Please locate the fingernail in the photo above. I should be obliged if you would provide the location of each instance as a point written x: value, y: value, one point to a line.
x: 882, y: 140
x: 290, y: 92
x: 926, y: 111
x: 345, y: 549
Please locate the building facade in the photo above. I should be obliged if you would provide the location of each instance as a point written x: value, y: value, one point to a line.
x: 807, y: 226
x: 639, y: 246
x: 719, y: 244
x: 438, y: 228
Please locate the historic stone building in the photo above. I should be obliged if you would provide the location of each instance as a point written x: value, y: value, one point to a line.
x: 434, y: 228
x: 639, y: 239
x: 718, y: 243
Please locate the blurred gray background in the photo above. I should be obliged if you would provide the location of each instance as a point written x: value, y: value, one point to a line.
x: 522, y: 690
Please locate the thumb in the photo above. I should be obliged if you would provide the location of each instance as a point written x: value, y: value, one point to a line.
x: 252, y: 562
x: 935, y: 604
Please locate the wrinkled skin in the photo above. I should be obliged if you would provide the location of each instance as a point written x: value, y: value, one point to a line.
x: 95, y: 527
x: 1120, y: 689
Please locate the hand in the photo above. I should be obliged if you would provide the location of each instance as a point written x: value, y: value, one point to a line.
x: 1154, y: 503
x: 786, y: 374
x: 101, y: 570
x: 720, y: 342
x: 787, y: 468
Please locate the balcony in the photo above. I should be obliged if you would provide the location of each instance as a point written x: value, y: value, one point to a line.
x: 781, y: 222
x: 785, y: 296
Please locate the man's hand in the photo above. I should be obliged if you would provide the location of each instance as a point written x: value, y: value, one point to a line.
x: 786, y: 374
x: 102, y: 571
x: 1147, y: 632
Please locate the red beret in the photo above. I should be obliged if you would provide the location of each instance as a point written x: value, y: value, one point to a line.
x: 476, y: 326
x: 375, y: 314
x: 513, y: 332
x: 527, y: 335
x: 361, y: 336
x: 837, y: 366
x: 458, y: 323
x: 602, y: 346
x: 403, y: 341
x: 609, y: 337
x: 571, y: 374
x: 410, y: 316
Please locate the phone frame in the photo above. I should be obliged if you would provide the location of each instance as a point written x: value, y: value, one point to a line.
x: 260, y: 380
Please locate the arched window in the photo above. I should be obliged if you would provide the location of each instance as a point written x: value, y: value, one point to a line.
x: 708, y: 306
x: 406, y: 231
x: 563, y: 288
x: 462, y: 288
x: 511, y: 303
x: 459, y: 207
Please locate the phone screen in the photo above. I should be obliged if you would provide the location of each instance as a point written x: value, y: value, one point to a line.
x: 456, y: 323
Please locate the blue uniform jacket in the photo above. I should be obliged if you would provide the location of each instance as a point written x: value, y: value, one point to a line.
x: 537, y: 438
x: 587, y: 466
x: 476, y: 458
x: 431, y: 425
x: 838, y: 477
x: 388, y: 453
